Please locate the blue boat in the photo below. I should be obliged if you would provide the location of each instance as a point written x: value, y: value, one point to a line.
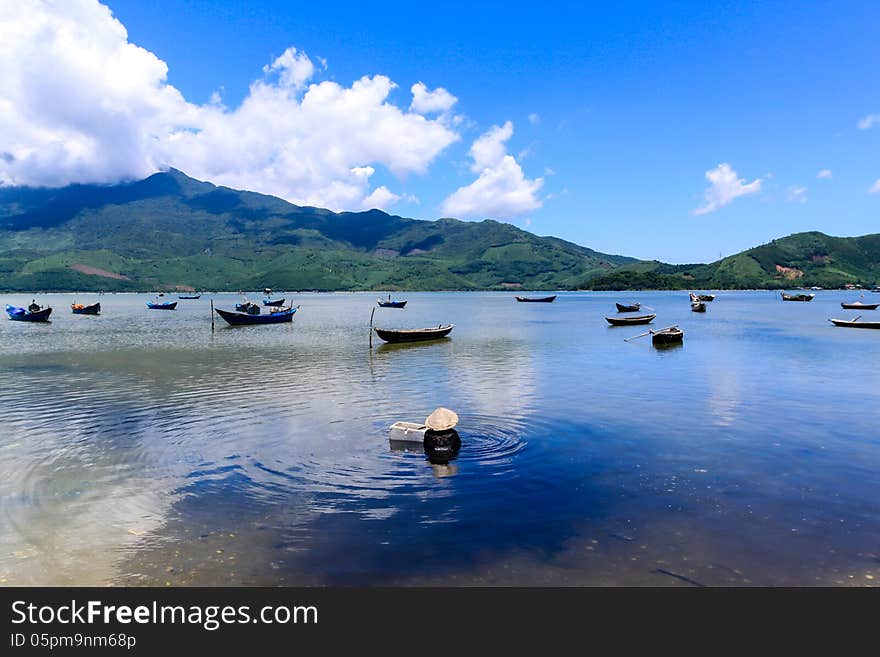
x: 390, y: 303
x: 248, y: 318
x: 161, y: 305
x: 274, y: 303
x: 21, y: 315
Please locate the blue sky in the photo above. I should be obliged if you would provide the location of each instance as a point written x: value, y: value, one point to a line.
x: 630, y: 105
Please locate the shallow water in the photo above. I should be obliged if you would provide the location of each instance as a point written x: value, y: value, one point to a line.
x: 141, y: 448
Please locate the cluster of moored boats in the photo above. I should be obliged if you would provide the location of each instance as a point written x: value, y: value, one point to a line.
x: 671, y: 335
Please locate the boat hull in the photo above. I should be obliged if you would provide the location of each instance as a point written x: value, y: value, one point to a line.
x: 197, y: 296
x: 848, y: 323
x: 273, y: 303
x: 667, y: 337
x: 391, y: 304
x: 171, y: 305
x: 698, y: 307
x: 414, y: 335
x: 245, y: 319
x: 798, y: 297
x: 621, y: 308
x: 859, y: 306
x: 536, y: 299
x: 94, y: 309
x: 630, y: 321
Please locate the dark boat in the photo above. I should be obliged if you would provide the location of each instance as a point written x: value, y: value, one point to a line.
x: 390, y: 304
x: 273, y: 303
x: 251, y: 318
x: 855, y: 323
x: 797, y: 297
x: 536, y: 299
x: 80, y: 309
x: 161, y: 305
x: 698, y: 306
x: 414, y: 335
x: 21, y: 315
x: 634, y: 308
x: 706, y: 297
x: 667, y: 336
x: 194, y: 296
x: 858, y: 305
x: 630, y: 321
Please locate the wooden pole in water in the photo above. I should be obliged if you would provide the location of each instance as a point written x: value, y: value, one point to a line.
x: 373, y: 312
x: 212, y: 315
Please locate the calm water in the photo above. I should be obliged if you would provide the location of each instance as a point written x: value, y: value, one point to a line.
x: 140, y: 448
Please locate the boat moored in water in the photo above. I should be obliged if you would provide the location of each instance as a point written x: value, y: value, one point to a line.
x: 698, y: 306
x: 81, y: 309
x: 414, y: 335
x: 32, y: 313
x: 630, y: 321
x: 273, y: 303
x: 797, y: 297
x: 536, y: 299
x: 390, y: 304
x: 192, y: 296
x: 858, y: 305
x: 632, y: 308
x: 667, y: 336
x: 161, y: 305
x: 855, y: 323
x: 253, y: 316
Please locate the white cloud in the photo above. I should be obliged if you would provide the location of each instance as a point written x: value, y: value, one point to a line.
x: 824, y: 174
x: 501, y: 190
x: 534, y: 118
x: 797, y: 194
x: 80, y: 103
x: 724, y: 187
x: 869, y: 121
x: 426, y: 102
x: 875, y: 188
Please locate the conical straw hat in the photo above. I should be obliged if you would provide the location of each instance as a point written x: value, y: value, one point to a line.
x: 441, y: 419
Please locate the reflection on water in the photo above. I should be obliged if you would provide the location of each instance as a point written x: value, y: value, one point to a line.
x: 141, y: 448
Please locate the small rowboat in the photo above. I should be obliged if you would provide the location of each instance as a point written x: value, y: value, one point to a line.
x: 194, y: 296
x: 161, y: 305
x: 706, y: 297
x: 273, y: 303
x: 414, y: 335
x: 21, y: 315
x: 698, y: 306
x: 80, y: 309
x: 248, y: 319
x: 797, y: 297
x: 390, y: 304
x: 855, y: 323
x: 536, y: 299
x: 858, y: 305
x: 622, y: 308
x: 630, y: 321
x: 667, y: 336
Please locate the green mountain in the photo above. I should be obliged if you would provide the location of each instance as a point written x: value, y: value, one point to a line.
x: 802, y: 259
x: 170, y: 231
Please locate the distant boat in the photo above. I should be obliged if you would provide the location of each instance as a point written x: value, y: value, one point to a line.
x: 667, y: 336
x: 698, y: 306
x: 706, y: 297
x: 80, y: 309
x: 161, y: 305
x: 251, y: 318
x: 797, y: 297
x: 22, y: 315
x: 855, y: 323
x: 622, y: 308
x: 273, y: 303
x: 630, y: 321
x: 536, y: 299
x: 414, y: 335
x: 858, y: 305
x: 390, y: 304
x: 195, y: 296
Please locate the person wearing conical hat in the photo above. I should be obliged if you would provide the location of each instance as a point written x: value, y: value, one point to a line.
x: 442, y: 419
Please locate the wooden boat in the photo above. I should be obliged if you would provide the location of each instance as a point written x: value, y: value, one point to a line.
x: 536, y: 299
x: 249, y: 319
x: 797, y: 297
x: 706, y: 297
x: 80, y: 309
x: 698, y: 306
x: 622, y: 308
x: 414, y: 335
x: 390, y: 304
x: 273, y: 303
x: 855, y: 323
x: 21, y: 315
x: 630, y: 321
x: 667, y: 336
x: 858, y: 305
x: 194, y: 296
x: 161, y: 305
